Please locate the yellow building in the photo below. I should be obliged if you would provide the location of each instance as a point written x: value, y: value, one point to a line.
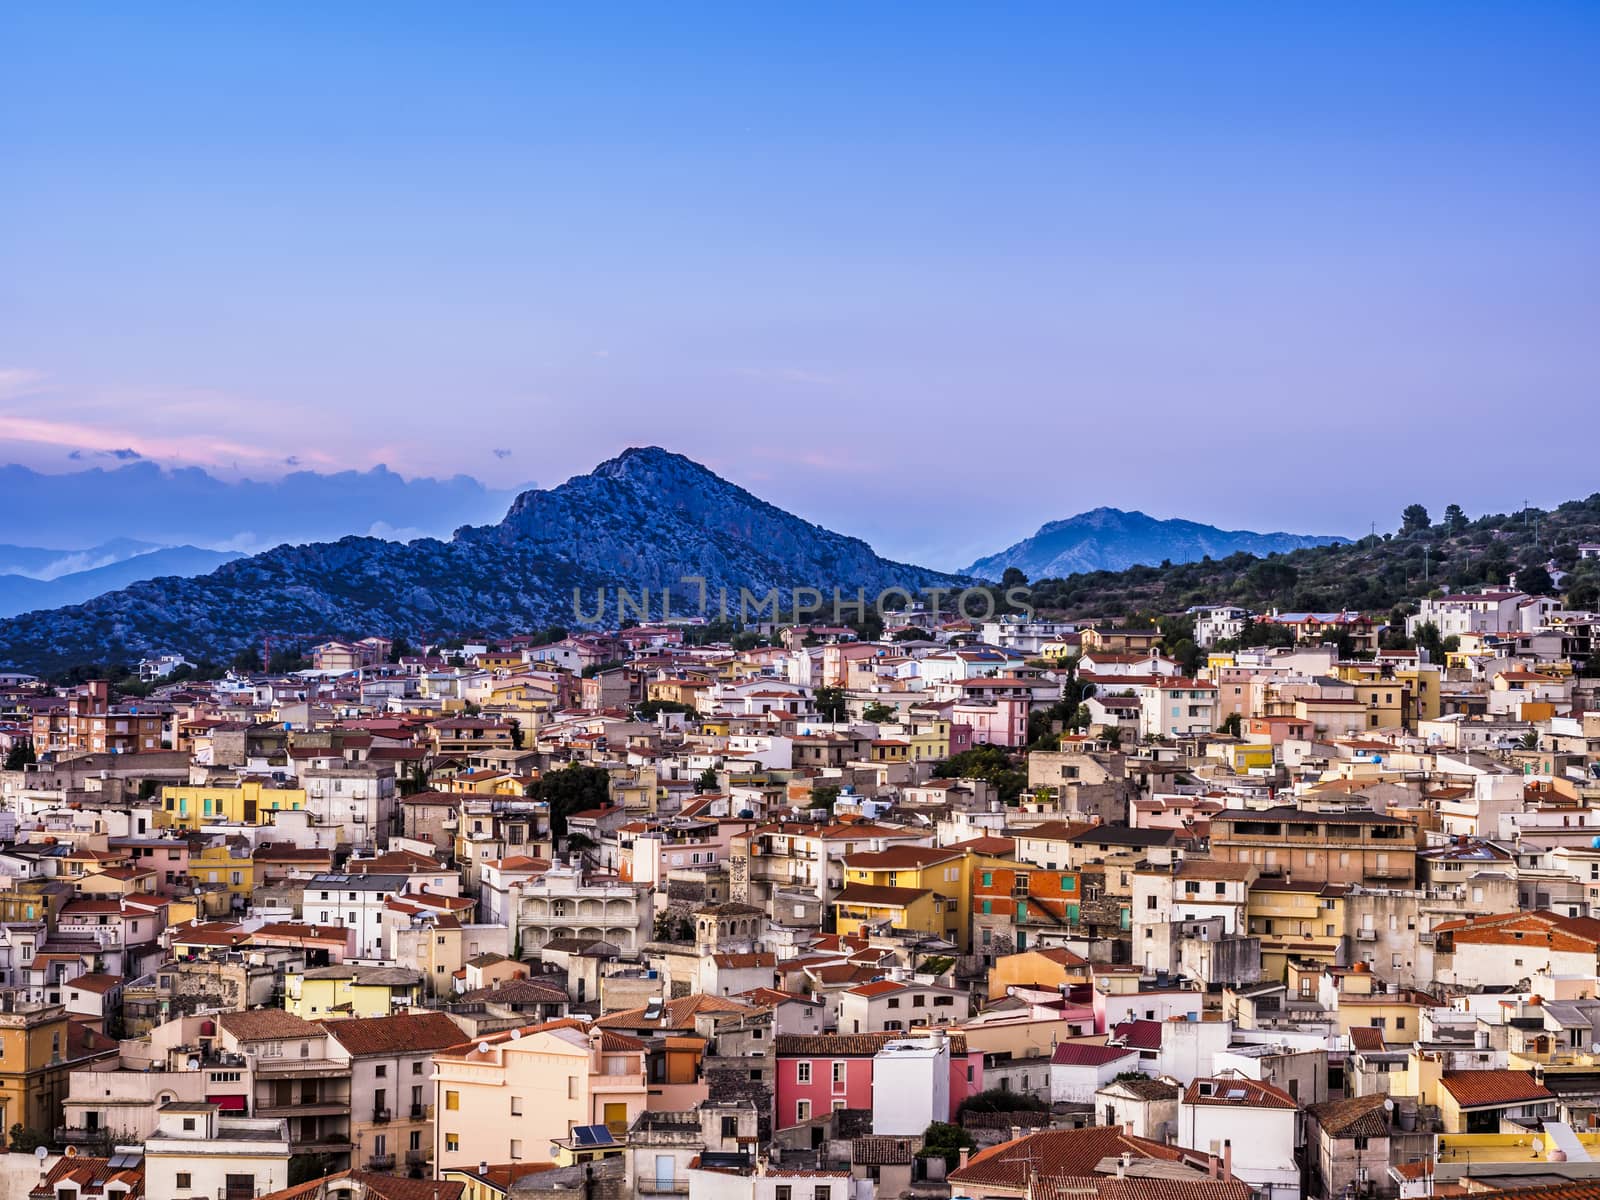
x: 321, y: 993
x: 249, y: 803
x: 39, y: 1050
x: 1296, y: 921
x: 922, y: 888
x: 1248, y: 756
x: 226, y: 863
x: 929, y: 738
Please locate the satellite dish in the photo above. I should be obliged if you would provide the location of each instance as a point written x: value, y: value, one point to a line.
x: 483, y: 1047
x: 41, y: 1153
x: 1388, y: 1105
x: 516, y: 1035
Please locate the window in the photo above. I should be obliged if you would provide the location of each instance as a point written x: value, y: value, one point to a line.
x: 802, y: 1072
x: 821, y: 1193
x: 802, y: 1110
x: 516, y: 1148
x: 452, y: 1142
x: 838, y: 1073
x: 783, y: 1192
x: 452, y: 1101
x: 382, y: 1070
x: 416, y: 1067
x: 572, y: 1087
x: 185, y: 1182
x: 1150, y: 902
x: 188, y: 1124
x: 516, y: 1106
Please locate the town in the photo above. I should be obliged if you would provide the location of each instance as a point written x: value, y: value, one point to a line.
x: 1011, y: 908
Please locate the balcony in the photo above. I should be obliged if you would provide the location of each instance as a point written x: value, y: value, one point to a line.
x: 80, y: 1135
x: 380, y: 1162
x: 380, y: 1116
x: 663, y: 1187
x: 419, y: 1112
x: 416, y: 1158
x: 1366, y: 935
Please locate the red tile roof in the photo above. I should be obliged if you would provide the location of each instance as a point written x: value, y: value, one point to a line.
x: 1480, y: 1089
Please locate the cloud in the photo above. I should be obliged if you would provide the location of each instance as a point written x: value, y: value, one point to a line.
x: 292, y: 461
x: 18, y: 381
x: 126, y: 454
x: 75, y: 455
x: 502, y: 453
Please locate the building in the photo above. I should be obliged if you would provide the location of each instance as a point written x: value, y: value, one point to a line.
x: 816, y: 1075
x: 390, y: 1060
x: 198, y: 1154
x: 1255, y: 1123
x: 508, y: 1097
x: 40, y: 1047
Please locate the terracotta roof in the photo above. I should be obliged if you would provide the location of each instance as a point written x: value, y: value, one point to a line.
x: 880, y: 1150
x: 399, y: 1033
x: 1358, y: 1116
x: 1088, y: 1054
x: 875, y: 896
x: 1235, y: 1090
x: 266, y: 1023
x: 1143, y: 1035
x: 1366, y: 1037
x: 1478, y: 1089
x: 850, y: 1045
x: 378, y: 1187
x: 901, y: 858
x: 1054, y: 1153
x: 676, y: 1014
x: 97, y: 983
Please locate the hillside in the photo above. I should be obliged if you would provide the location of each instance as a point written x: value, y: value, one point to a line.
x: 19, y: 593
x: 645, y: 519
x: 1109, y: 539
x: 1374, y: 574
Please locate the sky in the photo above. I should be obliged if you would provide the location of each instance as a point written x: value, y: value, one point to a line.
x: 929, y: 274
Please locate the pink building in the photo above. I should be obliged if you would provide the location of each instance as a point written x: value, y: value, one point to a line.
x: 1000, y: 722
x: 818, y: 1073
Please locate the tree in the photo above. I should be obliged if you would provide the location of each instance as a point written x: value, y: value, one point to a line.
x: 877, y: 713
x: 1530, y: 740
x: 23, y: 1140
x: 911, y: 633
x: 1535, y: 580
x: 824, y: 796
x: 989, y: 763
x: 20, y: 756
x: 648, y: 710
x: 516, y: 733
x: 1003, y: 1100
x: 1231, y: 725
x: 944, y: 1140
x: 830, y: 702
x: 1414, y: 519
x: 1012, y: 577
x: 707, y: 781
x: 573, y: 788
x: 1454, y: 519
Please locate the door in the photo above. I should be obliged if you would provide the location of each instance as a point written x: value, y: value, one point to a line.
x: 664, y: 1172
x: 616, y: 1118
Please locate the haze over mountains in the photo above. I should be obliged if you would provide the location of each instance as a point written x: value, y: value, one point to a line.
x: 188, y: 506
x: 1109, y: 539
x: 645, y: 519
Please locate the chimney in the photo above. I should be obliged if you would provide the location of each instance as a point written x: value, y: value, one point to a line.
x: 1122, y: 1164
x: 1227, y: 1158
x: 966, y: 1153
x: 1016, y: 1132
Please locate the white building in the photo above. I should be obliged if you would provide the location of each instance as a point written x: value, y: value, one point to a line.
x: 1217, y: 623
x: 1251, y: 1122
x: 910, y: 1085
x: 354, y: 901
x: 197, y: 1154
x: 357, y: 799
x: 1177, y: 708
x: 1080, y: 1069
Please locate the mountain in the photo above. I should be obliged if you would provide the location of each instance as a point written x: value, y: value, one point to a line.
x: 643, y: 520
x: 1109, y: 539
x: 36, y: 562
x: 20, y: 593
x: 188, y: 506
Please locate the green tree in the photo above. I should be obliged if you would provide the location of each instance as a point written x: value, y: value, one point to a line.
x: 830, y: 702
x: 707, y: 781
x: 824, y: 795
x: 1414, y: 519
x: 878, y: 713
x: 911, y: 633
x: 1231, y: 725
x: 1454, y: 519
x: 1535, y: 580
x: 23, y: 1140
x: 19, y: 756
x: 516, y: 733
x: 571, y: 789
x: 944, y: 1140
x: 990, y: 763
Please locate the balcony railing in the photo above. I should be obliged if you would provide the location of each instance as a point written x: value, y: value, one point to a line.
x: 663, y: 1187
x: 419, y: 1112
x: 416, y: 1158
x: 380, y: 1116
x: 380, y: 1162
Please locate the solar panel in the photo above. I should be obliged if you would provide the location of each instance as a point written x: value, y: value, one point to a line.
x: 592, y: 1135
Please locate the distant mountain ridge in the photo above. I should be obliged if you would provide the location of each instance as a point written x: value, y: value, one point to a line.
x: 645, y: 519
x: 189, y: 506
x: 22, y: 593
x: 1111, y: 539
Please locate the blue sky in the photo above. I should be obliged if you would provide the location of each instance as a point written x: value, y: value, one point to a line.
x: 928, y: 274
